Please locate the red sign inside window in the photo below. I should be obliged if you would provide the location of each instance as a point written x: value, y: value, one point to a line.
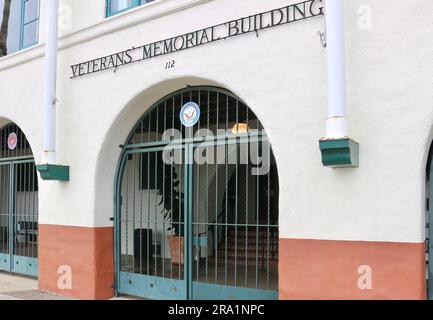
x: 12, y: 141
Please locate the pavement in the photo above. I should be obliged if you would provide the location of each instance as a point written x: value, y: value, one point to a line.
x: 13, y: 287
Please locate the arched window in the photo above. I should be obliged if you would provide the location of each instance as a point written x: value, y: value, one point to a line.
x: 221, y: 114
x: 14, y: 143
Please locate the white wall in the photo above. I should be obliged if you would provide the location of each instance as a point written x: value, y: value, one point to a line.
x: 281, y: 76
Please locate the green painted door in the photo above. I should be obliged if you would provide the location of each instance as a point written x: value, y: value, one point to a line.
x: 234, y: 222
x: 19, y: 217
x: 151, y: 224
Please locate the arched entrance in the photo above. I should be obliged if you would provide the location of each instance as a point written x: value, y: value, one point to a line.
x: 18, y: 204
x: 197, y: 202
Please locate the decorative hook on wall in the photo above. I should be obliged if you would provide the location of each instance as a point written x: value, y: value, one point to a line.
x: 322, y: 38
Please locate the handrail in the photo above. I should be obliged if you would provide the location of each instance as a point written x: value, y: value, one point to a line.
x: 210, y: 228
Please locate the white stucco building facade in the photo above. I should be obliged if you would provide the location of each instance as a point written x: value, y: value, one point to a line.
x: 331, y: 221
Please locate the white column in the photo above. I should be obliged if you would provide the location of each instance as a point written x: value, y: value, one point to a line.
x: 49, y: 131
x: 337, y: 111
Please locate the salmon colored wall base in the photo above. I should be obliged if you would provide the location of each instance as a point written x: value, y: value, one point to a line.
x: 328, y: 270
x: 89, y: 254
x: 308, y: 269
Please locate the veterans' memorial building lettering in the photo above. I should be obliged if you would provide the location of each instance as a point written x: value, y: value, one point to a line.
x: 254, y: 23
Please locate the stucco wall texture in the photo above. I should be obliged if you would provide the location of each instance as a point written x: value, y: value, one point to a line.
x: 281, y: 75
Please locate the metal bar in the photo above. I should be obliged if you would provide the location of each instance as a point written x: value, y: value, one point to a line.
x: 154, y: 239
x: 246, y: 214
x: 29, y: 209
x: 173, y: 107
x: 2, y: 216
x: 117, y: 223
x: 183, y: 172
x: 134, y: 187
x: 17, y: 159
x: 430, y: 242
x: 189, y: 221
x: 222, y: 138
x: 182, y: 128
x: 239, y: 140
x: 206, y: 219
x: 197, y: 220
x: 257, y: 221
x: 141, y: 182
x: 216, y: 217
x: 152, y: 150
x: 198, y: 201
x: 226, y: 160
x: 8, y: 152
x: 163, y: 242
x: 223, y: 224
x: 171, y: 208
x: 207, y: 189
x: 127, y: 217
x: 148, y: 211
x: 36, y: 209
x: 268, y: 228
x: 149, y: 130
x: 141, y: 210
x: 26, y: 206
x: 12, y: 175
x: 226, y: 216
x: 18, y: 207
x: 185, y: 177
x: 32, y: 205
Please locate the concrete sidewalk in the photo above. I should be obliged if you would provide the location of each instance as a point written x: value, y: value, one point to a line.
x: 13, y: 287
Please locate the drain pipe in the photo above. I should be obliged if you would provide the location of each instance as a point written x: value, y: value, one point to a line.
x: 49, y: 170
x: 50, y: 83
x: 338, y: 150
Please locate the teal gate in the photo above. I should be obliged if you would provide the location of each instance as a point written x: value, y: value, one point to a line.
x: 197, y: 207
x: 429, y: 229
x: 18, y: 204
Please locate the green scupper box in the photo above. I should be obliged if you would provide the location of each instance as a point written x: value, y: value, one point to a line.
x: 53, y: 172
x: 340, y: 153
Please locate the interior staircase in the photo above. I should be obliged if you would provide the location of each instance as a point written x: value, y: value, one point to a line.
x: 255, y: 246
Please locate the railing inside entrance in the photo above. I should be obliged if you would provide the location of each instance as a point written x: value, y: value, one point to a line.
x: 197, y: 214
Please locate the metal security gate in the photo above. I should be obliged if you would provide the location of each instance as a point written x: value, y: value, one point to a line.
x: 429, y: 229
x: 234, y: 247
x: 18, y: 205
x: 145, y: 267
x: 197, y: 212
